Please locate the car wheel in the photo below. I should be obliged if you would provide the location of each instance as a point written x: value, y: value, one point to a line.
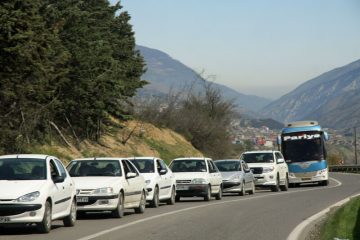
x: 172, y: 199
x: 177, y: 198
x: 219, y: 194
x: 252, y: 191
x: 45, y: 225
x: 286, y: 185
x: 242, y: 192
x: 141, y: 208
x: 155, y: 201
x: 324, y: 183
x: 276, y: 188
x: 208, y: 194
x: 119, y: 211
x: 70, y: 220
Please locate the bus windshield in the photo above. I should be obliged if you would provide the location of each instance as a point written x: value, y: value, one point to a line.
x: 297, y: 148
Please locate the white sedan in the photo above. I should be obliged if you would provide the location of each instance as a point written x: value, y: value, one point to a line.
x: 159, y: 179
x: 36, y: 189
x: 108, y: 184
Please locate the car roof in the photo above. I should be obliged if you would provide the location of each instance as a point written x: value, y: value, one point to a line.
x: 38, y: 156
x: 132, y: 158
x: 261, y: 151
x: 226, y: 160
x: 192, y: 158
x: 99, y: 158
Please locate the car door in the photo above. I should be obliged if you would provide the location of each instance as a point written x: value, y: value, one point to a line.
x: 68, y: 183
x: 165, y: 180
x: 215, y: 177
x: 135, y: 183
x: 247, y: 174
x: 281, y: 166
x: 59, y: 193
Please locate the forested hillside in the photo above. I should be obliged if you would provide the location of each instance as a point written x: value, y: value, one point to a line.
x: 65, y: 66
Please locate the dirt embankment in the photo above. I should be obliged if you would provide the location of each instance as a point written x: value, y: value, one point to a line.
x: 132, y: 138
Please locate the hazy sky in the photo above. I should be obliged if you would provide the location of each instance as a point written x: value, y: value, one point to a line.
x: 265, y: 48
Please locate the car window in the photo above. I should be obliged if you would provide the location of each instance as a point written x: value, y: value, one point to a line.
x: 188, y: 165
x: 144, y: 165
x: 96, y: 168
x: 211, y: 167
x: 258, y: 157
x: 130, y: 167
x: 23, y: 169
x: 54, y: 171
x: 228, y: 166
x: 61, y: 168
x: 163, y: 165
x: 214, y: 166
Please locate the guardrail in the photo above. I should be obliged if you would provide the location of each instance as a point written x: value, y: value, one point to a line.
x: 345, y: 168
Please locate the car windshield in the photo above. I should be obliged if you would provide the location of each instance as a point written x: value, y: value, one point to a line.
x: 228, y: 166
x: 97, y: 168
x: 22, y: 169
x: 144, y: 165
x: 191, y: 165
x: 300, y: 150
x: 257, y: 157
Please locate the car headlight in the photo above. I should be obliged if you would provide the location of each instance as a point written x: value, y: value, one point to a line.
x: 198, y: 181
x: 28, y: 197
x: 268, y: 169
x: 105, y: 190
x: 147, y: 182
x: 77, y: 191
x: 292, y: 174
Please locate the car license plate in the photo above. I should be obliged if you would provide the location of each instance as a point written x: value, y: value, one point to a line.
x: 182, y: 187
x: 306, y: 179
x: 4, y: 219
x: 82, y: 199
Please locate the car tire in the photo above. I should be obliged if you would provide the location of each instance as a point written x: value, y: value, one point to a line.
x: 45, y: 225
x: 285, y: 187
x: 69, y: 221
x: 208, y: 194
x: 119, y: 211
x: 177, y: 198
x: 141, y: 208
x: 242, y: 192
x: 219, y: 194
x: 324, y: 183
x: 252, y: 191
x: 172, y: 199
x: 155, y: 201
x: 276, y: 188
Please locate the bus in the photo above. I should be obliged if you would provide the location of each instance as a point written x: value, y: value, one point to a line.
x: 303, y: 146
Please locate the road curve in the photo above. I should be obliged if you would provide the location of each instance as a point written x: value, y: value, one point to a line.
x: 265, y: 215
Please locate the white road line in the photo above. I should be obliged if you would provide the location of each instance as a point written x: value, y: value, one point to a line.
x: 197, y: 207
x: 299, y: 230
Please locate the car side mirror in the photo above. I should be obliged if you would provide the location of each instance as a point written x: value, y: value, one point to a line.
x: 58, y: 179
x: 247, y: 170
x: 162, y: 172
x: 280, y: 160
x: 131, y: 175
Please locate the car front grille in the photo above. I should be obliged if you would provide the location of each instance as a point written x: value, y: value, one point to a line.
x: 85, y: 191
x: 305, y: 174
x: 257, y: 170
x: 183, y: 181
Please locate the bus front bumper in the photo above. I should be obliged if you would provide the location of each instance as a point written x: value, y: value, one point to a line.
x: 312, y: 177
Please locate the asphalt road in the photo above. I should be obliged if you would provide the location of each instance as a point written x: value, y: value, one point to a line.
x: 265, y: 215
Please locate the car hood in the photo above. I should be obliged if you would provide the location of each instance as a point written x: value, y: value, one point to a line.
x: 251, y: 165
x: 15, y: 189
x: 229, y: 175
x: 149, y: 176
x: 94, y: 182
x: 190, y: 175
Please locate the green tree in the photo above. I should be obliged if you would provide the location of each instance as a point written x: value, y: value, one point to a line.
x: 32, y: 69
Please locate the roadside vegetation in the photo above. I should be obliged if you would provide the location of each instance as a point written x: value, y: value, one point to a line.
x: 201, y: 114
x: 67, y: 67
x: 344, y: 223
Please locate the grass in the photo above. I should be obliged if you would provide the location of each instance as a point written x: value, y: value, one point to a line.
x: 344, y: 223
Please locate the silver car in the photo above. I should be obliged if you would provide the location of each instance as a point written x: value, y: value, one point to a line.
x: 237, y: 176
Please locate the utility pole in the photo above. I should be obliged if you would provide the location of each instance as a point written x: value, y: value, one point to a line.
x: 356, y: 161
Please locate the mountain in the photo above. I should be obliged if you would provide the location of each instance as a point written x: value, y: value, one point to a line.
x: 332, y: 98
x: 165, y: 73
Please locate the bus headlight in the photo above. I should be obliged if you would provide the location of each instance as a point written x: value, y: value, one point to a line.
x: 321, y: 172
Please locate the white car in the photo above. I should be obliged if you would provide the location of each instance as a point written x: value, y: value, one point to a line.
x: 196, y: 177
x: 237, y: 176
x: 107, y: 184
x: 36, y: 189
x: 159, y: 179
x: 269, y: 169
